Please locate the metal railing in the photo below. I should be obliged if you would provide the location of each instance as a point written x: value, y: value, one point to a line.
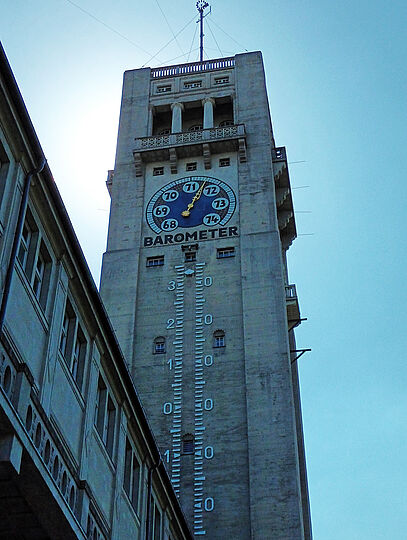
x: 196, y: 67
x: 279, y: 154
x: 190, y: 137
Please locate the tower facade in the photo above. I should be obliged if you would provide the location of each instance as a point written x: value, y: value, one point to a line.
x: 194, y: 280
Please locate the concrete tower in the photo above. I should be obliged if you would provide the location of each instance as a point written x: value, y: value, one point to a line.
x: 194, y: 280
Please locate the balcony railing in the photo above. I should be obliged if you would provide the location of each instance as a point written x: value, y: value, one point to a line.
x: 177, y: 139
x: 195, y: 67
x: 290, y: 292
x: 292, y: 305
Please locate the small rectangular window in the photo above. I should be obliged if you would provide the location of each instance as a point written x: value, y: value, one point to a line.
x: 224, y: 162
x: 191, y: 166
x: 164, y: 88
x: 158, y: 171
x: 155, y: 261
x: 190, y: 256
x: 193, y: 84
x: 223, y: 253
x: 221, y: 80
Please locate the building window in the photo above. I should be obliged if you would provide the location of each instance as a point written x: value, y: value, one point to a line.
x: 191, y: 166
x: 190, y: 256
x: 188, y: 444
x: 192, y: 84
x: 132, y: 476
x: 164, y: 88
x: 221, y: 80
x: 72, y: 344
x: 159, y: 345
x: 165, y: 131
x: 224, y: 162
x: 34, y: 259
x: 156, y: 520
x: 223, y: 253
x: 105, y: 416
x: 226, y: 123
x: 155, y: 261
x: 4, y: 169
x: 219, y: 339
x: 158, y: 171
x: 196, y: 127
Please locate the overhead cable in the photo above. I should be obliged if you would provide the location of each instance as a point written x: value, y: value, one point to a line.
x: 224, y: 31
x: 169, y: 26
x: 171, y: 40
x: 214, y: 38
x: 107, y: 26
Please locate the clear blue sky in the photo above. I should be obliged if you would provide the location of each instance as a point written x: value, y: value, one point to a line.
x: 336, y: 74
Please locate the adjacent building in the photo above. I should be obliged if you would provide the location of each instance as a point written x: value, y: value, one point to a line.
x: 77, y: 456
x: 195, y: 283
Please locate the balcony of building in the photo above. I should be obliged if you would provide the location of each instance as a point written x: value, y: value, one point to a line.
x: 293, y: 307
x: 190, y: 129
x: 284, y: 202
x: 203, y: 142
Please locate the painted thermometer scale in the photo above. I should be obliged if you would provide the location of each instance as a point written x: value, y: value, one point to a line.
x: 190, y: 404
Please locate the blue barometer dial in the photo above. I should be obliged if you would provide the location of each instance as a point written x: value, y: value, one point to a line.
x: 191, y: 202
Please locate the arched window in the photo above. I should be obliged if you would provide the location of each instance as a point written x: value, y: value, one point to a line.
x: 226, y: 123
x: 188, y: 444
x: 219, y: 339
x: 197, y: 127
x: 159, y: 345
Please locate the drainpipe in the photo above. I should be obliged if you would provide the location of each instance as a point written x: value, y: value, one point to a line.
x: 16, y: 240
x: 149, y: 486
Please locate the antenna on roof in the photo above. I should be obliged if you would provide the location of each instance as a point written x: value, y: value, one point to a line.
x: 201, y: 5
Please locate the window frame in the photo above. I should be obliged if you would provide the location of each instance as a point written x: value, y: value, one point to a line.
x: 159, y: 345
x: 158, y: 171
x: 73, y: 344
x: 191, y: 166
x: 191, y: 85
x: 131, y: 457
x: 226, y: 252
x: 105, y: 416
x: 219, y: 341
x: 151, y: 260
x: 32, y: 249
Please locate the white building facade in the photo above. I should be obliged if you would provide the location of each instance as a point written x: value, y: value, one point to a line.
x: 77, y: 457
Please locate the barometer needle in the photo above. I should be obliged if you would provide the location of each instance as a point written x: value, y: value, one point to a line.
x: 187, y: 212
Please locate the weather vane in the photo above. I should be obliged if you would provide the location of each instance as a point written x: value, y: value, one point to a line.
x: 201, y: 5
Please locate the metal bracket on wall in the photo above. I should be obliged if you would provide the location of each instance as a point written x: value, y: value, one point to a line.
x: 299, y: 353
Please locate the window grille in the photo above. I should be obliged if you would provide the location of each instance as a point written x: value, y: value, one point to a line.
x: 188, y: 444
x: 192, y: 84
x: 159, y: 345
x: 219, y: 339
x: 223, y: 253
x: 221, y: 80
x: 155, y: 261
x: 190, y: 256
x: 158, y: 171
x: 164, y: 88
